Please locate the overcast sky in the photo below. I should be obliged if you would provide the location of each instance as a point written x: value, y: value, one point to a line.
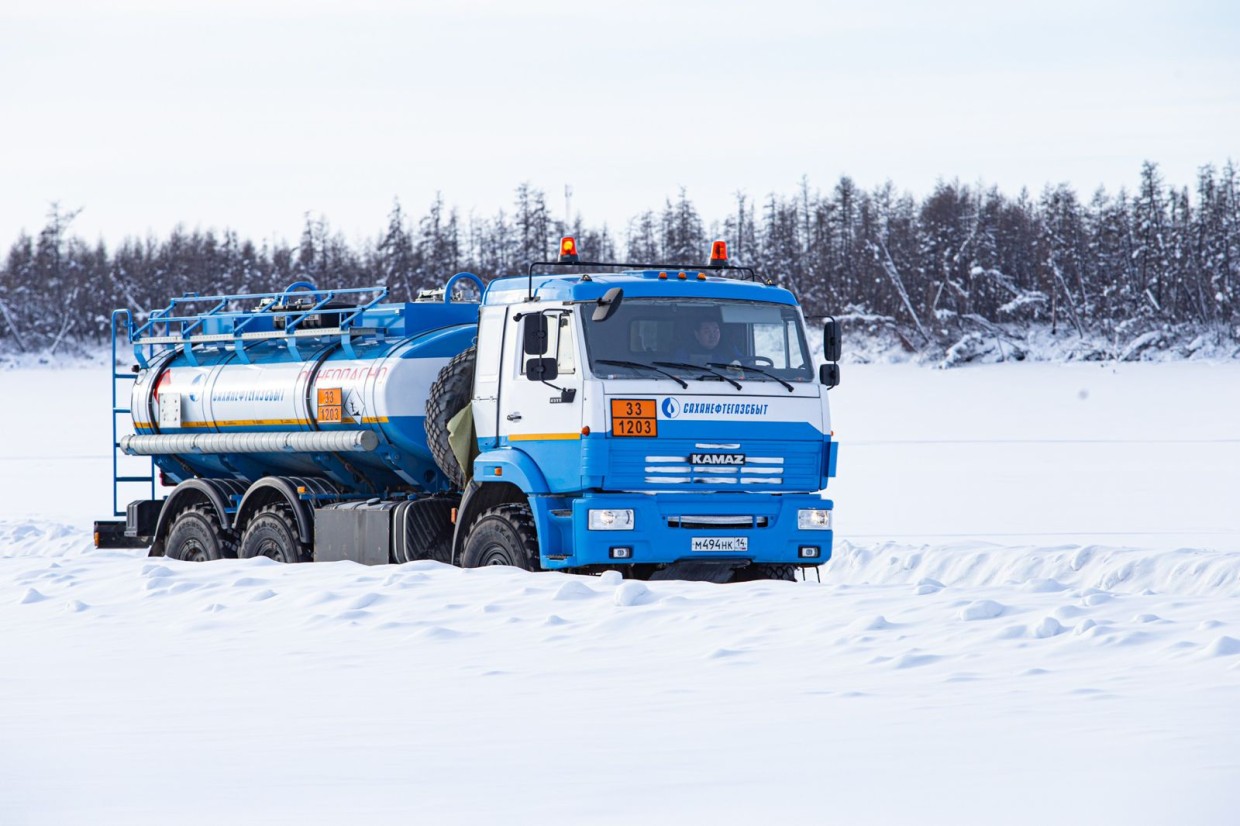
x: 150, y: 113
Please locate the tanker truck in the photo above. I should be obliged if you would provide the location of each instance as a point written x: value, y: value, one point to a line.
x: 660, y: 420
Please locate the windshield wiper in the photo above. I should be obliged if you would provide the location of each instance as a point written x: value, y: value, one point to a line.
x: 757, y: 370
x: 687, y: 366
x: 643, y: 366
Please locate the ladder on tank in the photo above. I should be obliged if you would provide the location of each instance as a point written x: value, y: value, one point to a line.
x: 117, y: 410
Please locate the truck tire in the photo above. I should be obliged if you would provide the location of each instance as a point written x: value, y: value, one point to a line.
x: 452, y: 391
x: 503, y: 535
x: 196, y: 536
x: 273, y: 533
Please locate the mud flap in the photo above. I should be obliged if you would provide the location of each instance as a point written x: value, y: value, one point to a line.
x: 462, y: 439
x: 691, y: 569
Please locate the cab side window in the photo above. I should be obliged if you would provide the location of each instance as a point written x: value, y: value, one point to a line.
x: 563, y: 343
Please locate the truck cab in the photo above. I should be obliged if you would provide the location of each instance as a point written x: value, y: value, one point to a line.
x: 652, y: 419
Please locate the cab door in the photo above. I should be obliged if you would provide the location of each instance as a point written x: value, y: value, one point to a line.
x: 494, y: 328
x: 543, y: 418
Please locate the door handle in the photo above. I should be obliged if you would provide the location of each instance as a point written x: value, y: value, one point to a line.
x: 514, y: 417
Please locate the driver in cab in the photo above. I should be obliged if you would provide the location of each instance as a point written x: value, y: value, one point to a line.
x: 706, y: 344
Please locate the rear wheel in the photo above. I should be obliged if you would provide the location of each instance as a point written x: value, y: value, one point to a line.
x: 273, y: 533
x: 196, y: 536
x: 504, y: 535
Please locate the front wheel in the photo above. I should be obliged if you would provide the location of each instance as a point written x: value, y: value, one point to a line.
x: 504, y: 535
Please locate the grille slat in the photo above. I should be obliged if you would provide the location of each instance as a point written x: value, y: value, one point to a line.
x: 714, y: 522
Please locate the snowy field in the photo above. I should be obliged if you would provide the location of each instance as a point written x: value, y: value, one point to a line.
x: 1033, y: 616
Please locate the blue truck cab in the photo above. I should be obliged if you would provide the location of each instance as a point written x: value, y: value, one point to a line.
x: 654, y: 419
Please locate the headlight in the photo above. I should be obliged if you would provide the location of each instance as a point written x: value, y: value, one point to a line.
x: 814, y: 519
x: 611, y: 520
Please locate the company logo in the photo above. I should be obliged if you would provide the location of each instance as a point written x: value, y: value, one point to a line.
x: 193, y: 387
x: 716, y: 458
x: 673, y: 407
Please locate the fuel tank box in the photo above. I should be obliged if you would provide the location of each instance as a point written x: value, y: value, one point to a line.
x: 357, y: 531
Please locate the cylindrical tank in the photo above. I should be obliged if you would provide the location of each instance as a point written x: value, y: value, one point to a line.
x: 319, y: 386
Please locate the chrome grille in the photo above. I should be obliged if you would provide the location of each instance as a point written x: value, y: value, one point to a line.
x: 676, y: 470
x: 663, y: 464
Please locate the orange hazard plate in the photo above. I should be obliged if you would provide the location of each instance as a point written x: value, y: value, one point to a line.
x: 634, y: 417
x: 330, y: 409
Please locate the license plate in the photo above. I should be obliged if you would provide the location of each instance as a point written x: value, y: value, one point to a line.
x: 719, y: 543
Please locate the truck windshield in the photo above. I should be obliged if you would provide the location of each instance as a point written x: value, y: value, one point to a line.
x: 688, y: 337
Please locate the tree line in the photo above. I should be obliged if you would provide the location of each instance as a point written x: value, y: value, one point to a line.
x: 963, y: 258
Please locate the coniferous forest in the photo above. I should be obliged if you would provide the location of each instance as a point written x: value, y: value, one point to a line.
x: 940, y: 274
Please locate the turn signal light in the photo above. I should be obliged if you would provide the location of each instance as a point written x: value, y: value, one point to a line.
x: 568, y: 250
x: 719, y: 254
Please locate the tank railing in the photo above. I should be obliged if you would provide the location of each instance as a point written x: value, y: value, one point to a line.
x: 185, y: 331
x: 118, y: 410
x: 176, y: 311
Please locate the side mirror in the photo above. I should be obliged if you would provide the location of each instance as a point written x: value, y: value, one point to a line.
x: 831, y: 344
x: 608, y: 304
x: 829, y: 374
x: 535, y: 333
x: 543, y: 369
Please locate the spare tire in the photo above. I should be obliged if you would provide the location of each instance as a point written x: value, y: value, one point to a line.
x: 450, y: 394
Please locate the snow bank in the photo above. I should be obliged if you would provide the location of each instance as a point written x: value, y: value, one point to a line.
x: 971, y: 675
x: 1000, y: 343
x: 1184, y: 571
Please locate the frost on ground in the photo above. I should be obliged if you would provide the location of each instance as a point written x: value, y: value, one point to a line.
x: 1015, y: 655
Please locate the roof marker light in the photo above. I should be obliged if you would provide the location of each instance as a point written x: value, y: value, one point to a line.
x: 568, y: 250
x: 701, y: 276
x: 682, y: 275
x: 663, y: 276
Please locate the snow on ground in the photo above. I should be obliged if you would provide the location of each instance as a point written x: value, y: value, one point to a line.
x: 1033, y: 614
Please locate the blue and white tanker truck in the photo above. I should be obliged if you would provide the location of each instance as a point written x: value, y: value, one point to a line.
x: 658, y: 420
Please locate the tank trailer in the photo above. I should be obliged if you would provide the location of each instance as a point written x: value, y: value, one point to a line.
x: 659, y: 420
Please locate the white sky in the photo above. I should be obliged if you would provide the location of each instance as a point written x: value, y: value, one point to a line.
x: 249, y: 114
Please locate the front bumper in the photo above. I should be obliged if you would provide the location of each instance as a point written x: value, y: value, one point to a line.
x: 664, y: 529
